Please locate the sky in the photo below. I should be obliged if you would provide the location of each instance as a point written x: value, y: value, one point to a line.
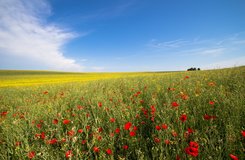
x: 121, y: 35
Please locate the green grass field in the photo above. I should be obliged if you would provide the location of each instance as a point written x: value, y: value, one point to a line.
x: 174, y: 115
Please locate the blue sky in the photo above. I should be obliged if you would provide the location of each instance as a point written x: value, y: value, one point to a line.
x: 121, y: 35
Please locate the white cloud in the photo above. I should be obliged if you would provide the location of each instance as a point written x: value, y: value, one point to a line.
x: 24, y: 34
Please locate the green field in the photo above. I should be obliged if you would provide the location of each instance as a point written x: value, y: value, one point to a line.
x: 173, y: 115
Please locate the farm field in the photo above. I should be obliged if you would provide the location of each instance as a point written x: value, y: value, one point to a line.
x: 172, y: 115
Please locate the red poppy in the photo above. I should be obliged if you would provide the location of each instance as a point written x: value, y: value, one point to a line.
x: 45, y: 92
x: 100, y: 104
x: 166, y: 141
x: 208, y: 117
x: 96, y: 149
x: 164, y: 126
x: 233, y: 157
x: 84, y: 141
x: 211, y: 102
x: 132, y: 133
x: 135, y: 128
x: 55, y: 121
x: 112, y: 120
x: 191, y: 151
x: 88, y: 127
x: 190, y: 131
x: 71, y: 133
x: 39, y: 126
x: 211, y: 83
x: 3, y: 114
x: 109, y: 151
x: 117, y: 130
x: 174, y: 134
x: 127, y: 125
x: 193, y: 144
x: 125, y: 147
x: 80, y: 131
x: 42, y: 136
x: 52, y: 141
x: 157, y: 140
x: 69, y: 154
x: 243, y: 133
x: 66, y: 121
x: 100, y: 129
x: 186, y: 77
x: 177, y: 157
x: 183, y: 117
x: 17, y: 143
x: 79, y: 107
x: 31, y: 154
x: 158, y: 128
x: 175, y: 104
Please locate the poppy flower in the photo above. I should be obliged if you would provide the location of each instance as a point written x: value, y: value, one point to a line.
x: 109, y: 151
x: 211, y: 102
x: 166, y: 141
x: 112, y: 120
x: 45, y: 92
x: 243, y: 133
x: 193, y: 144
x: 71, y: 133
x: 69, y: 154
x: 79, y: 107
x: 183, y: 117
x: 31, y: 154
x: 17, y: 143
x: 3, y: 114
x: 55, y: 121
x: 135, y: 128
x: 191, y: 151
x: 100, y: 129
x: 39, y: 126
x: 233, y: 157
x: 177, y: 157
x: 127, y: 125
x: 100, y: 104
x: 66, y: 121
x: 125, y: 147
x: 157, y: 140
x: 175, y: 104
x: 84, y: 141
x: 117, y: 130
x: 164, y: 126
x: 88, y: 127
x: 96, y: 149
x: 132, y: 133
x: 174, y: 134
x: 190, y: 131
x: 42, y: 135
x: 52, y: 141
x: 80, y: 131
x: 158, y: 128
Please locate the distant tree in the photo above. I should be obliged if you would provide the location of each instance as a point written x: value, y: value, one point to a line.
x: 193, y: 69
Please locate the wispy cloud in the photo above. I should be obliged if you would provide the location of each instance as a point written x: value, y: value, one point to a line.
x: 168, y: 44
x: 25, y: 35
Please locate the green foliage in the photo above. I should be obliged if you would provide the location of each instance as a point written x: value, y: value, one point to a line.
x: 213, y: 102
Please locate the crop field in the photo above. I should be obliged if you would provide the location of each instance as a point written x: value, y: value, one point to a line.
x: 172, y: 115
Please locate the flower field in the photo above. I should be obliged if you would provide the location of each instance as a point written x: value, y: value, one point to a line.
x: 177, y: 115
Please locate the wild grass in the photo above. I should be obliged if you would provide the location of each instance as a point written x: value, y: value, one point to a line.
x: 166, y: 111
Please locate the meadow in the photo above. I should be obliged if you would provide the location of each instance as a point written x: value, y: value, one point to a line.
x: 172, y: 115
